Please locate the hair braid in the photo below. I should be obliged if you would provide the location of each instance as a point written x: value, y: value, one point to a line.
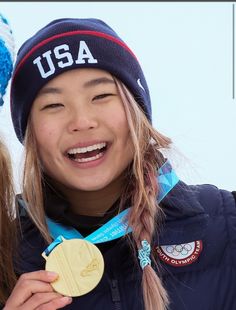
x: 145, y: 214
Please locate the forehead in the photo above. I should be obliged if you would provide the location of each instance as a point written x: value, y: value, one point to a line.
x: 81, y: 77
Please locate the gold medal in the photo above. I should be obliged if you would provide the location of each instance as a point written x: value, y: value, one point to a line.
x: 78, y: 263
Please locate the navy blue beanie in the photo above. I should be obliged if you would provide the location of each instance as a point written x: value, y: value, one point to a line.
x: 66, y: 44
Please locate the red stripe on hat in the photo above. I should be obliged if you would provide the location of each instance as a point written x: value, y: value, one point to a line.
x: 65, y: 34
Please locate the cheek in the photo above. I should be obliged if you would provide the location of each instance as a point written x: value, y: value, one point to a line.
x: 122, y: 130
x: 46, y: 141
x: 123, y: 136
x: 44, y: 132
x: 118, y: 121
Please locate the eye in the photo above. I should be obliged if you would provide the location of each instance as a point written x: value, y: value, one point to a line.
x: 52, y: 106
x: 102, y: 96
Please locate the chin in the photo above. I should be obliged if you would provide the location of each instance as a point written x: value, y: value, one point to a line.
x: 89, y: 186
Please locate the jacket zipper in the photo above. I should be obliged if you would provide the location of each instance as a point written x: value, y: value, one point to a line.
x: 115, y: 294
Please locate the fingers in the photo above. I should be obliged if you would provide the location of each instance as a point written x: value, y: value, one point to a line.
x: 29, y: 284
x: 41, y: 275
x: 46, y: 301
x: 56, y: 304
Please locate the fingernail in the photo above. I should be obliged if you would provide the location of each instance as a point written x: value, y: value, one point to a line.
x: 66, y: 299
x: 52, y: 274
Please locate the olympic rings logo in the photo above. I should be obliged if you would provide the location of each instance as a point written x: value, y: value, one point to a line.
x: 179, y: 249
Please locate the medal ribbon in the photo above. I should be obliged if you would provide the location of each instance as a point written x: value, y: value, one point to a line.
x: 117, y: 226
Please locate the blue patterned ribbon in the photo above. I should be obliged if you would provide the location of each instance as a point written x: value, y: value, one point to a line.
x: 117, y: 226
x: 144, y: 254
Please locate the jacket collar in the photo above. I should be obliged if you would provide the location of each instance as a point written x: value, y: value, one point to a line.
x: 185, y: 218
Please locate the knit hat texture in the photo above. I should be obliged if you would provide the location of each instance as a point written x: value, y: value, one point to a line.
x: 6, y: 55
x: 66, y: 44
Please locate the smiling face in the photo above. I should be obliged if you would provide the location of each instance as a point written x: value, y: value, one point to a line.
x: 81, y: 130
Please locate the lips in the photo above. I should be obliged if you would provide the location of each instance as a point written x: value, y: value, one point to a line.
x: 87, y: 153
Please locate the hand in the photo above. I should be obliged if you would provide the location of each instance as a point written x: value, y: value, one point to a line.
x: 34, y: 292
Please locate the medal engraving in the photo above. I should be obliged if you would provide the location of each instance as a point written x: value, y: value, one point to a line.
x: 79, y: 264
x: 94, y: 265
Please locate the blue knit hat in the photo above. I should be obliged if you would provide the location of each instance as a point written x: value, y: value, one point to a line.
x: 6, y: 55
x: 66, y: 44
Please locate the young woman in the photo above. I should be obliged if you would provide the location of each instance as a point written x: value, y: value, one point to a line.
x: 7, y: 226
x: 99, y: 200
x: 7, y: 212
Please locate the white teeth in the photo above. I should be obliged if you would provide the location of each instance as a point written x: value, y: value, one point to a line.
x: 83, y: 160
x: 90, y: 148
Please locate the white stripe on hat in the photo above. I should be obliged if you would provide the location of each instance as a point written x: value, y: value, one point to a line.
x: 7, y: 37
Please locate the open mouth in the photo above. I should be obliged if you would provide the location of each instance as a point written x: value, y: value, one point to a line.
x: 87, y: 154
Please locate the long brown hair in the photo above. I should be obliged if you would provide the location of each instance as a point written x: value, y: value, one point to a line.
x: 145, y: 216
x: 7, y: 225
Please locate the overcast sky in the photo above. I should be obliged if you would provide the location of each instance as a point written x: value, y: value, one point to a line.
x: 185, y: 50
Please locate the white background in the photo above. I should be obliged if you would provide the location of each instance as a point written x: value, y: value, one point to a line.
x: 185, y: 50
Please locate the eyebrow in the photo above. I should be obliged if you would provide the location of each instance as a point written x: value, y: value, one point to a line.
x: 49, y: 90
x: 98, y: 81
x: 90, y: 83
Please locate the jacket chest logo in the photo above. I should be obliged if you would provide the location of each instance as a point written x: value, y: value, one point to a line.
x: 179, y: 255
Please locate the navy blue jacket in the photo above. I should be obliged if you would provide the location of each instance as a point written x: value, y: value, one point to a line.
x: 200, y: 216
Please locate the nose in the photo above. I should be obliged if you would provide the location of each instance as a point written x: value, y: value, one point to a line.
x: 82, y: 119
